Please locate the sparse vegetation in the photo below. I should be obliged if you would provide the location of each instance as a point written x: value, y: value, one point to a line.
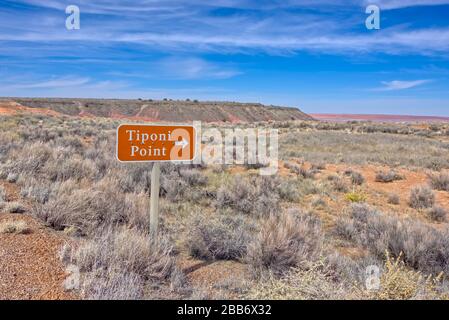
x: 2, y: 194
x: 221, y: 238
x: 65, y: 174
x: 12, y: 226
x: 356, y: 177
x: 389, y: 176
x: 440, y: 181
x: 257, y: 196
x: 421, y: 197
x: 393, y: 198
x: 438, y: 214
x: 14, y: 207
x: 355, y: 197
x: 116, y: 265
x: 291, y: 239
x: 424, y: 248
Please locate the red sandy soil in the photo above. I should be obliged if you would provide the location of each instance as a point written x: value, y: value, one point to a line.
x: 29, y: 265
x: 377, y: 117
x: 12, y: 108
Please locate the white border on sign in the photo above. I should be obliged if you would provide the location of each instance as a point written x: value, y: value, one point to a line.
x: 195, y: 149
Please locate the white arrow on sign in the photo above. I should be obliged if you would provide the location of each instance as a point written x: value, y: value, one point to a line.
x: 183, y: 143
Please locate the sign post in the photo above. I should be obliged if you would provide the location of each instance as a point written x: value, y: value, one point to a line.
x: 154, y: 200
x: 155, y: 143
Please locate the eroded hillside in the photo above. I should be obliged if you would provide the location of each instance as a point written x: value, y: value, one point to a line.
x: 166, y: 110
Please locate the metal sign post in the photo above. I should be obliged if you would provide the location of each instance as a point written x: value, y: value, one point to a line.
x: 155, y: 143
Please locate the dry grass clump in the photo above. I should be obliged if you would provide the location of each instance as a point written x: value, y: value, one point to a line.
x: 421, y: 197
x: 355, y: 176
x: 387, y: 177
x: 424, y: 248
x: 439, y: 181
x: 219, y: 237
x: 293, y: 167
x: 256, y: 195
x: 301, y: 171
x: 12, y: 177
x: 12, y: 226
x: 178, y: 184
x: 313, y: 283
x: 393, y: 198
x: 338, y: 183
x: 318, y: 166
x: 30, y: 162
x: 291, y: 239
x: 397, y: 282
x: 89, y: 210
x: 2, y: 194
x: 117, y: 264
x: 14, y: 207
x: 438, y: 214
x: 289, y: 190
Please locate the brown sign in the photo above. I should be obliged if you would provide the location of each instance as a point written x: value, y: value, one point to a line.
x: 155, y: 143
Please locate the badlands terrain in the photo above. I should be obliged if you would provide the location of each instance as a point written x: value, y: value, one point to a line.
x: 348, y: 198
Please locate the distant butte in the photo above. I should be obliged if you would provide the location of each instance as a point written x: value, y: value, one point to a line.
x: 154, y: 110
x: 377, y: 118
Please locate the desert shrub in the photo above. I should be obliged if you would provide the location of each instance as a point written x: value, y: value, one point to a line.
x: 424, y: 248
x: 14, y: 207
x: 118, y: 263
x: 193, y: 177
x: 439, y: 181
x: 294, y: 168
x: 291, y: 239
x: 38, y: 190
x: 175, y: 186
x: 393, y: 199
x: 288, y: 190
x: 438, y: 214
x: 318, y: 202
x: 356, y: 177
x: 318, y: 166
x: 134, y: 178
x: 255, y: 166
x: 307, y: 173
x: 74, y: 168
x: 219, y: 237
x: 256, y: 195
x: 98, y: 207
x: 355, y: 197
x: 314, y: 283
x: 2, y: 194
x: 112, y: 285
x: 339, y: 184
x: 301, y: 170
x: 173, y: 189
x: 397, y: 282
x: 12, y: 177
x: 17, y: 227
x: 389, y: 176
x: 421, y: 197
x: 31, y: 161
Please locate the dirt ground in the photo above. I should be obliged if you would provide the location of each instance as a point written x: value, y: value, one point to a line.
x: 29, y: 265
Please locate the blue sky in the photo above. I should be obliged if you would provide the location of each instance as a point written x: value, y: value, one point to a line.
x: 313, y: 54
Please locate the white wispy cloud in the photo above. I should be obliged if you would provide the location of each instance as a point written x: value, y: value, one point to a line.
x: 401, y: 85
x: 397, y: 4
x: 193, y: 68
x: 191, y: 26
x: 51, y: 84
